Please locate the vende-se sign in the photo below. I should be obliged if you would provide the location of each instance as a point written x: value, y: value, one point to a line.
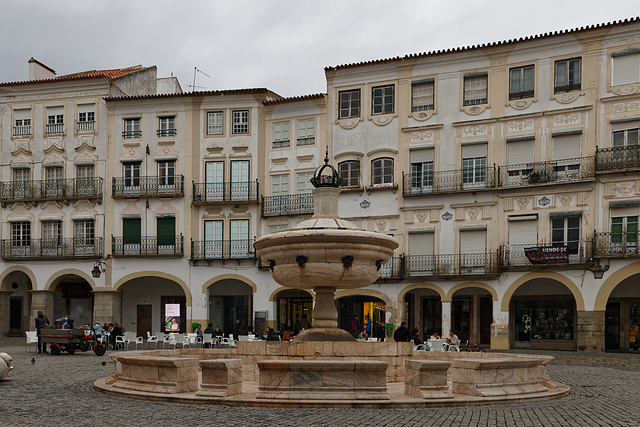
x: 547, y: 255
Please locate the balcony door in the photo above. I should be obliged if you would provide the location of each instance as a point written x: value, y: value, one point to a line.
x: 624, y: 234
x: 566, y: 156
x: 131, y: 173
x: 53, y: 182
x: 213, y: 239
x: 131, y: 236
x: 166, y: 228
x: 51, y: 242
x: 422, y: 170
x: 240, y: 180
x: 473, y: 248
x: 523, y: 233
x: 85, y: 180
x: 279, y: 191
x: 520, y: 155
x: 21, y: 239
x: 421, y: 261
x: 21, y: 183
x: 214, y: 181
x: 167, y: 177
x: 84, y: 234
x: 239, y: 233
x: 474, y: 166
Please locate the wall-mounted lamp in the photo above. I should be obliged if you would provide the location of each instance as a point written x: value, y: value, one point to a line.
x: 599, y: 270
x: 98, y: 269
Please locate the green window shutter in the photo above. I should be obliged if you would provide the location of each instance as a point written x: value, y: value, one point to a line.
x: 166, y: 231
x: 131, y: 230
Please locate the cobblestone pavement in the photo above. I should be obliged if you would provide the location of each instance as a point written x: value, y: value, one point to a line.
x: 59, y: 390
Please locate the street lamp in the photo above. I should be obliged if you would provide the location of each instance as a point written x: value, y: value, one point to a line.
x: 98, y: 268
x: 599, y: 270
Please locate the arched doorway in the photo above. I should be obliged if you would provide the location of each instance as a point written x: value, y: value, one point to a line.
x: 423, y: 310
x: 622, y: 316
x: 371, y: 312
x: 472, y: 314
x: 543, y: 316
x: 230, y: 306
x: 73, y: 296
x: 294, y: 309
x: 153, y: 304
x: 15, y: 290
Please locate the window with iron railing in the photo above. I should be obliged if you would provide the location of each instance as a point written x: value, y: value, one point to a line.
x: 422, y: 95
x: 281, y: 136
x: 475, y: 89
x: 131, y: 129
x: 521, y: 82
x: 166, y: 126
x: 567, y: 75
x: 22, y: 127
x: 86, y: 120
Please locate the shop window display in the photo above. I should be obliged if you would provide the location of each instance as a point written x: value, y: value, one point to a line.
x: 543, y: 320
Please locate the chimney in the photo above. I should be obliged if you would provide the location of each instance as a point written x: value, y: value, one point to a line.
x: 39, y: 71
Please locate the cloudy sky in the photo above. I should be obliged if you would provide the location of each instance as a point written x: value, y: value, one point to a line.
x: 283, y: 45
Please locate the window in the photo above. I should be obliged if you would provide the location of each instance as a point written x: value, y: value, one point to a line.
x: 520, y: 162
x: 53, y: 182
x: 475, y: 89
x: 277, y: 227
x: 21, y: 185
x: 55, y: 119
x: 214, y: 182
x: 382, y: 99
x: 303, y: 182
x: 566, y: 154
x: 22, y: 122
x: 349, y: 103
x: 625, y: 67
x: 422, y: 95
x: 382, y: 172
x: 473, y: 248
x: 51, y: 238
x: 240, y: 245
x: 131, y: 236
x: 420, y: 260
x: 21, y: 233
x: 166, y: 235
x: 167, y: 176
x: 566, y: 232
x: 350, y: 173
x: 624, y: 234
x: 213, y: 239
x: 306, y: 131
x: 280, y: 185
x: 85, y: 180
x: 240, y: 184
x: 625, y: 137
x: 567, y: 76
x: 86, y: 117
x: 474, y: 165
x: 521, y: 82
x: 421, y: 169
x: 166, y: 126
x: 84, y: 234
x: 281, y: 135
x: 240, y: 121
x: 131, y: 172
x: 215, y: 123
x: 131, y: 129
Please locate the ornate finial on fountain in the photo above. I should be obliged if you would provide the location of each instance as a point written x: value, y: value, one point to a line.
x: 330, y: 179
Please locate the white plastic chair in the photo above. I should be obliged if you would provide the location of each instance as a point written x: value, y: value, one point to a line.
x: 207, y: 339
x: 172, y: 340
x: 152, y: 339
x: 120, y: 341
x: 193, y: 337
x: 232, y: 342
x: 225, y: 341
x: 32, y: 338
x: 185, y: 338
x: 164, y: 339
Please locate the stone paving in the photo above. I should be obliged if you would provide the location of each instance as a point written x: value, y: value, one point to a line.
x: 605, y: 392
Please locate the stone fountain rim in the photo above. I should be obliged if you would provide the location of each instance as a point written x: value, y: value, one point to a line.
x: 326, y: 235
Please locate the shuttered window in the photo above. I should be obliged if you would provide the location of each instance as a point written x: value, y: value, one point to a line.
x: 523, y: 231
x: 166, y: 231
x: 626, y: 69
x: 473, y: 241
x: 131, y: 228
x: 420, y: 243
x: 566, y: 146
x: 519, y: 152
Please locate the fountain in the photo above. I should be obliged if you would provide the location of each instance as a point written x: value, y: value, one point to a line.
x: 325, y: 253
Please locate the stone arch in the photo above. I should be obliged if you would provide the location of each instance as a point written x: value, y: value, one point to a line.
x: 415, y: 286
x: 242, y: 279
x: 612, y: 281
x: 367, y: 292
x: 53, y: 280
x: 272, y: 297
x: 137, y: 275
x: 577, y: 296
x: 456, y: 288
x: 18, y: 269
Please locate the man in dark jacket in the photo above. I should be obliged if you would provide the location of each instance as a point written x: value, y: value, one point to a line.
x: 41, y: 322
x: 402, y: 333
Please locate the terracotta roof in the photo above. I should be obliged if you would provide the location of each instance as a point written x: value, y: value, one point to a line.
x: 93, y: 74
x: 200, y: 93
x: 484, y: 46
x: 295, y: 99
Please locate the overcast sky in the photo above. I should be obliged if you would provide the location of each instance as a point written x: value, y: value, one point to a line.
x: 282, y: 45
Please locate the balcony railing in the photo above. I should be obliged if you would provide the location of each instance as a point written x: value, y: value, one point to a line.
x: 451, y: 265
x: 148, y: 186
x: 565, y: 170
x: 449, y: 181
x: 545, y: 255
x: 616, y: 245
x: 85, y: 126
x: 222, y: 249
x: 225, y: 192
x: 393, y: 268
x: 290, y: 204
x: 132, y: 134
x: 22, y: 130
x: 281, y: 143
x: 74, y: 247
x: 310, y: 140
x: 618, y: 158
x: 164, y: 133
x: 59, y: 189
x: 147, y: 246
x: 55, y: 128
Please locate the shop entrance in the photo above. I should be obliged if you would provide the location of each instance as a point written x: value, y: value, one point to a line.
x: 230, y: 306
x: 371, y: 312
x: 472, y: 315
x: 622, y: 316
x: 295, y: 309
x: 73, y: 296
x: 16, y: 317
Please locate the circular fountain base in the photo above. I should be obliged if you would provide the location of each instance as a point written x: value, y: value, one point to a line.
x: 324, y: 334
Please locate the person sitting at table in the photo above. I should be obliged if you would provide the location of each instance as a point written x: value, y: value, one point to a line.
x: 287, y: 335
x: 199, y: 333
x: 117, y: 331
x: 435, y: 336
x: 208, y: 330
x: 415, y: 337
x: 217, y: 332
x: 453, y: 339
x: 98, y: 330
x: 270, y: 334
x: 363, y: 334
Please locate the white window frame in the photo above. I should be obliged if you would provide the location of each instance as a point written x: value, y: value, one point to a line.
x: 215, y: 123
x: 476, y: 89
x: 382, y: 99
x: 281, y: 135
x: 423, y: 95
x: 240, y: 122
x: 306, y: 131
x: 382, y: 172
x: 349, y: 104
x: 166, y: 126
x: 348, y: 173
x: 565, y: 79
x: 525, y: 82
x: 131, y: 128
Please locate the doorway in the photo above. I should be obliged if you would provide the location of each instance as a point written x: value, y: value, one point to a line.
x: 15, y: 316
x: 144, y: 321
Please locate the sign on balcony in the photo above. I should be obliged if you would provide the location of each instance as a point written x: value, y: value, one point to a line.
x: 547, y: 255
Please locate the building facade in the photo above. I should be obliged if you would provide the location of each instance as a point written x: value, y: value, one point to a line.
x: 508, y: 173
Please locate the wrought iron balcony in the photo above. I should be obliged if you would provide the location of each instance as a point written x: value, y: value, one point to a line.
x: 393, y: 268
x: 22, y: 130
x: 545, y: 255
x: 281, y: 143
x: 222, y: 192
x: 74, y: 247
x: 55, y: 128
x: 616, y: 245
x: 481, y: 264
x: 290, y: 204
x: 452, y: 181
x: 58, y: 189
x: 565, y: 170
x: 147, y: 246
x: 85, y: 126
x: 148, y: 186
x: 222, y: 249
x: 164, y: 133
x: 618, y: 158
x: 132, y: 134
x: 310, y: 140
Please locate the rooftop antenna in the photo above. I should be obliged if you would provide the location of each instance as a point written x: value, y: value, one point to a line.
x: 195, y: 73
